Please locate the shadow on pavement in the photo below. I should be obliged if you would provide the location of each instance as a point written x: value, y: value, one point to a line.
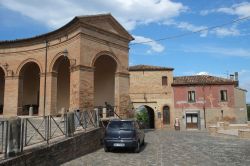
x: 128, y: 150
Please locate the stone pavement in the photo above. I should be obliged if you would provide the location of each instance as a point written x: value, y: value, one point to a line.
x: 185, y: 148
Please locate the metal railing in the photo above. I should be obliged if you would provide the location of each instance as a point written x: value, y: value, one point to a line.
x: 35, y: 130
x: 3, y: 133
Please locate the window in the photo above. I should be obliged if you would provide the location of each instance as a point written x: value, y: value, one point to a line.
x: 223, y: 95
x: 164, y: 80
x: 191, y: 96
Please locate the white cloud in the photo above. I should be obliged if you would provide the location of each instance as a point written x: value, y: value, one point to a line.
x: 215, y: 51
x: 241, y: 10
x: 220, y: 32
x: 129, y: 12
x: 154, y: 46
x: 202, y: 73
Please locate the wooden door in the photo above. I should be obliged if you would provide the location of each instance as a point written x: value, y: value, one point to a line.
x: 192, y: 121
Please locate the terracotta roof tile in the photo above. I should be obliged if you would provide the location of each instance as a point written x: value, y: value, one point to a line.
x: 148, y: 68
x: 201, y: 80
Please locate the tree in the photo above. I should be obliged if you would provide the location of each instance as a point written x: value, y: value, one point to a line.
x: 142, y: 117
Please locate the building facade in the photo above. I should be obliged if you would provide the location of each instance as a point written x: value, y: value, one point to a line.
x: 150, y: 86
x: 203, y: 100
x: 197, y: 101
x: 81, y: 65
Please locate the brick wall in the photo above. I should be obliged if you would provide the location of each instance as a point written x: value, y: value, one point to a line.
x: 59, y: 152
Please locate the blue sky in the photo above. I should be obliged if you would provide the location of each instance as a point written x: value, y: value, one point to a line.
x: 219, y: 52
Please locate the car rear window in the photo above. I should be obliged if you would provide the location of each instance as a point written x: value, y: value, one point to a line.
x: 121, y: 125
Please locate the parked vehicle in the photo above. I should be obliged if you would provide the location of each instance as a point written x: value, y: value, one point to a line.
x: 123, y: 134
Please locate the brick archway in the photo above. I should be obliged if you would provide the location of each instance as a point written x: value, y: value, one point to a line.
x: 61, y: 82
x: 29, y: 88
x: 104, y: 80
x: 111, y: 55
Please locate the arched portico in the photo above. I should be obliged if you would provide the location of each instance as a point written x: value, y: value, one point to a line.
x: 29, y: 88
x: 61, y: 82
x: 104, y: 80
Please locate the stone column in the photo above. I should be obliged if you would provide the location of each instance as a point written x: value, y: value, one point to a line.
x: 11, y: 105
x: 81, y: 88
x: 51, y: 94
x: 122, y: 99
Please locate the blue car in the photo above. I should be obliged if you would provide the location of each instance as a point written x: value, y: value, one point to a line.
x: 123, y: 134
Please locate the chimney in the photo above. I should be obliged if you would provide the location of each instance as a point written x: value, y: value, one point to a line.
x: 236, y: 78
x: 231, y: 77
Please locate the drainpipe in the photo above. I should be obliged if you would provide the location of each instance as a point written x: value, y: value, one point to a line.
x: 204, y: 106
x: 45, y: 77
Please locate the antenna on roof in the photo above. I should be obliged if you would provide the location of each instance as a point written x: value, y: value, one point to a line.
x: 227, y: 74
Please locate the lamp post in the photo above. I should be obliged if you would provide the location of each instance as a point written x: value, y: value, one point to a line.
x: 45, y: 77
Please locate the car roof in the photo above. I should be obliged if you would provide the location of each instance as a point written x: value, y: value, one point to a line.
x: 123, y: 120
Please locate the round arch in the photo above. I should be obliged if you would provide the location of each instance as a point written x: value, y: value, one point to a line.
x: 29, y: 87
x: 104, y: 80
x: 3, y: 69
x: 61, y: 83
x: 52, y: 65
x: 150, y: 114
x: 26, y: 61
x: 107, y: 53
x: 166, y: 114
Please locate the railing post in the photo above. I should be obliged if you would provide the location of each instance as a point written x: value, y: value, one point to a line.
x: 70, y: 125
x: 104, y: 112
x: 77, y: 118
x: 14, y: 136
x: 22, y: 135
x: 97, y: 117
x: 85, y: 119
x: 6, y: 139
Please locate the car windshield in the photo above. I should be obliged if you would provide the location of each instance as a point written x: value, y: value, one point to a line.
x: 121, y: 125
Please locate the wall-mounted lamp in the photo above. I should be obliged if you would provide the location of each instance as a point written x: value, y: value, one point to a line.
x: 65, y: 53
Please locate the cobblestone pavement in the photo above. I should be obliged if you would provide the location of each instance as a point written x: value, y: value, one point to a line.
x: 172, y: 148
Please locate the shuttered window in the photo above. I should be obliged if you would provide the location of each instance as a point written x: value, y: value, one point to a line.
x: 164, y: 80
x: 223, y: 95
x: 191, y: 96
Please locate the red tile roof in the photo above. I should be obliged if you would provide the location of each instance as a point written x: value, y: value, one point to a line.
x: 149, y: 68
x: 202, y: 80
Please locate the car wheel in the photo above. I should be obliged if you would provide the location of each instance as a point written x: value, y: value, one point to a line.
x: 143, y: 142
x: 137, y: 149
x: 106, y: 149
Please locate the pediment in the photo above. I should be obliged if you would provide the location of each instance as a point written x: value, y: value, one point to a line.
x: 108, y: 23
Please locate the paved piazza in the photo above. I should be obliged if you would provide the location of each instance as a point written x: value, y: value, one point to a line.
x: 165, y: 147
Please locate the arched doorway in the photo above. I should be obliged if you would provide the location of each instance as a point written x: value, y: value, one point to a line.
x: 166, y: 115
x: 151, y: 117
x: 144, y: 109
x: 29, y: 88
x: 104, y: 81
x: 2, y: 85
x: 62, y: 68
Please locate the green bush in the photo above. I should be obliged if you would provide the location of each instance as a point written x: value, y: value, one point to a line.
x: 142, y: 117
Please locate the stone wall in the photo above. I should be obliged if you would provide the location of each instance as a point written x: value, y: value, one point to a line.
x: 59, y: 152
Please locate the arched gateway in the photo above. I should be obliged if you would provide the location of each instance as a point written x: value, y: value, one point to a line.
x: 94, y: 70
